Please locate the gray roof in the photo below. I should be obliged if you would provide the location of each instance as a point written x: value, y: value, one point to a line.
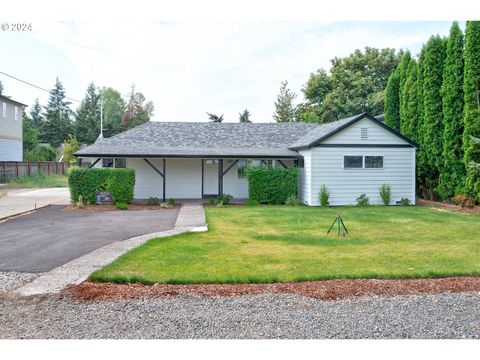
x: 184, y: 139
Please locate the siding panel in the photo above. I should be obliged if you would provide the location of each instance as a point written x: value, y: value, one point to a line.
x: 11, y: 150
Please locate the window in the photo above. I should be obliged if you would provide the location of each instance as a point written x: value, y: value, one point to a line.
x: 353, y: 162
x: 211, y: 161
x: 16, y: 112
x: 362, y: 162
x: 120, y: 163
x: 4, y: 109
x: 364, y: 134
x: 107, y: 163
x: 373, y: 162
x: 243, y: 165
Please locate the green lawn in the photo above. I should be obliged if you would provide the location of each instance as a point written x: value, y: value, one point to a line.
x: 280, y: 243
x: 37, y: 181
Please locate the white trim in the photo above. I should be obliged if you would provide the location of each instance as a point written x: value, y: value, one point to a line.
x: 363, y: 162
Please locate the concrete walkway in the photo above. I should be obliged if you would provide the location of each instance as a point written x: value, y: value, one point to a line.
x: 20, y: 201
x: 190, y: 218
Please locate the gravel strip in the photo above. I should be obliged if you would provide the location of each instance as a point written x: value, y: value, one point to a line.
x: 449, y: 315
x: 11, y: 280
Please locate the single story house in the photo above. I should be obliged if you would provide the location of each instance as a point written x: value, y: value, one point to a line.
x: 11, y: 129
x: 185, y: 160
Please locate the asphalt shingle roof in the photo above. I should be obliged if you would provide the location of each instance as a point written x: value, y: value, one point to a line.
x: 184, y: 139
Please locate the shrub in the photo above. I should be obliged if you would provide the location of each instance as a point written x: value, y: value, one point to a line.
x: 153, y: 201
x: 211, y: 201
x: 224, y: 199
x: 292, y: 200
x: 165, y: 205
x: 385, y: 193
x: 87, y: 182
x: 363, y: 200
x: 121, y: 206
x: 464, y: 201
x: 171, y: 201
x: 324, y: 196
x: 251, y: 202
x: 271, y: 185
x: 405, y: 201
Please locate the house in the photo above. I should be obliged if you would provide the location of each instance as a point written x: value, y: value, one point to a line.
x: 200, y: 160
x: 11, y: 129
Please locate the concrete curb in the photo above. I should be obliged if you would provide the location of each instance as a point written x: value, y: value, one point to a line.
x: 78, y: 270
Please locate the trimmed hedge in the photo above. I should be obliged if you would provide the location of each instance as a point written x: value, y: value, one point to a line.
x: 272, y: 185
x: 87, y: 182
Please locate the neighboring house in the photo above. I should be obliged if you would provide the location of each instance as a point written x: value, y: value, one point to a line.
x: 200, y: 160
x: 11, y: 129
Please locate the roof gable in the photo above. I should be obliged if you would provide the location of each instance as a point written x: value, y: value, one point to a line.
x: 326, y: 131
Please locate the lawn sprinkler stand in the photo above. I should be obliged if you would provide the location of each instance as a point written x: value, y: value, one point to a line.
x: 342, y: 229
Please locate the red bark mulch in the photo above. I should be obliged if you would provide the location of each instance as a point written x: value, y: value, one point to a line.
x: 322, y: 290
x: 451, y: 207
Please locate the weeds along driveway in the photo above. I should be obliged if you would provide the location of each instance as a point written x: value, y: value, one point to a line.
x: 51, y: 237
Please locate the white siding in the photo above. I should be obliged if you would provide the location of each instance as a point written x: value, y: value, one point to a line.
x: 232, y: 185
x: 305, y: 178
x: 375, y: 135
x: 345, y: 185
x: 11, y: 150
x: 184, y: 178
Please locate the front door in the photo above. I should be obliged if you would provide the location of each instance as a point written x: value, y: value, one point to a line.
x: 210, y: 178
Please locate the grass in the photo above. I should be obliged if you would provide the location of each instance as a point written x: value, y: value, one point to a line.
x: 278, y: 243
x: 38, y: 180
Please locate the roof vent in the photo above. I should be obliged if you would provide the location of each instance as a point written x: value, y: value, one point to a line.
x: 364, y: 134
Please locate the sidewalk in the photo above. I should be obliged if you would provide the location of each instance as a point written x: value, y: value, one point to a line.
x: 190, y: 218
x: 19, y: 201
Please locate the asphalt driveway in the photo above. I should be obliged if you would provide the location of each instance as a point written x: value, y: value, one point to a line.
x: 50, y: 237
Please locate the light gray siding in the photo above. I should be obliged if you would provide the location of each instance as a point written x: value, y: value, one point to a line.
x: 375, y: 135
x: 11, y: 142
x: 345, y: 185
x: 11, y: 150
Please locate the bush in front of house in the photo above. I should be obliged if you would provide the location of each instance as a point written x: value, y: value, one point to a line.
x: 121, y: 206
x: 224, y: 199
x: 324, y: 196
x: 363, y: 200
x: 272, y: 185
x: 87, y: 182
x: 385, y: 193
x: 153, y: 201
x: 292, y: 200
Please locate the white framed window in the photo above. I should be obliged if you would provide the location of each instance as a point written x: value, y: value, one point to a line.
x: 363, y: 161
x: 4, y: 109
x: 117, y: 163
x: 120, y: 163
x: 243, y: 165
x: 107, y: 163
x: 16, y: 112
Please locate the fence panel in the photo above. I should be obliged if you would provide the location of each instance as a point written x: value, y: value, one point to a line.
x: 15, y: 169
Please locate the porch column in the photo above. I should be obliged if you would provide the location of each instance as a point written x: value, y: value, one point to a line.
x: 164, y: 179
x: 220, y: 177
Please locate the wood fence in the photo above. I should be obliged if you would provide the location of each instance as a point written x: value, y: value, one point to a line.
x: 16, y: 169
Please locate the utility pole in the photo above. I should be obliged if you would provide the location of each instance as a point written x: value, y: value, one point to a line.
x: 100, y: 137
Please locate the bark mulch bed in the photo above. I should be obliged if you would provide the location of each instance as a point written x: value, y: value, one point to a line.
x: 322, y: 290
x: 450, y: 207
x: 114, y: 208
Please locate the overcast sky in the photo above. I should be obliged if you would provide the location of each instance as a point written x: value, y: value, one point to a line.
x: 190, y: 68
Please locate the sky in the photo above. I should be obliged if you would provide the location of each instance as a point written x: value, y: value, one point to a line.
x: 188, y: 68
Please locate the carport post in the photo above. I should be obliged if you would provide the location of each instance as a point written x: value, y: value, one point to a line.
x: 164, y: 176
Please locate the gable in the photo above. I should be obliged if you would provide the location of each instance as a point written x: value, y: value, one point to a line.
x: 373, y: 134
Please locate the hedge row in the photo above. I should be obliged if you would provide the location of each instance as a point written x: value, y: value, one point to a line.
x: 87, y: 182
x: 272, y: 185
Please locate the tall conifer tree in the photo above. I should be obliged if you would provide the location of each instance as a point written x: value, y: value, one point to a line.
x: 472, y: 106
x: 453, y: 169
x: 392, y: 101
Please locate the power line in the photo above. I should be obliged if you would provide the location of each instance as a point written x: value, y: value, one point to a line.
x: 35, y: 86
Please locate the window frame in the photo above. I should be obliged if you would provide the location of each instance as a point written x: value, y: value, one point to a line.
x: 363, y: 162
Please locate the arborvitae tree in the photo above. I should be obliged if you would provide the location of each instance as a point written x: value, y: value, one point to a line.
x: 244, y: 116
x: 421, y: 159
x: 409, y: 103
x: 471, y: 118
x: 453, y: 171
x: 30, y: 134
x: 284, y: 107
x: 432, y: 127
x: 87, y: 125
x: 214, y: 117
x: 392, y: 101
x: 403, y: 67
x: 36, y: 113
x: 56, y: 126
